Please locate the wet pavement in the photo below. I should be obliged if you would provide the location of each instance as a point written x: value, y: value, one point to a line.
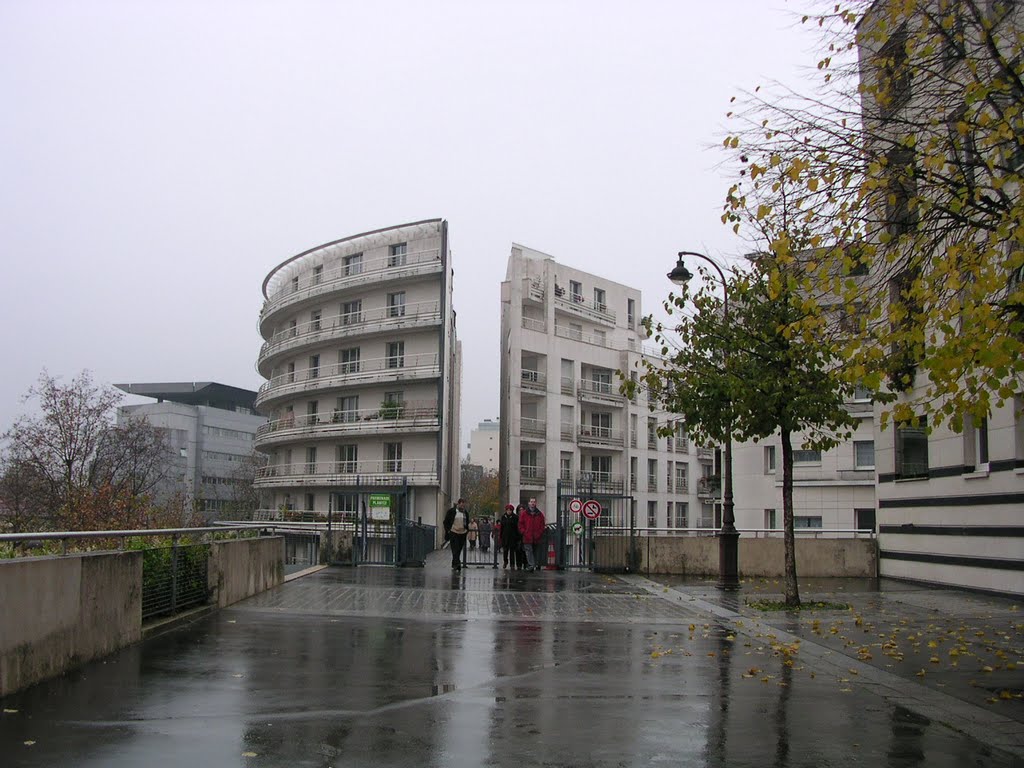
x: 400, y: 667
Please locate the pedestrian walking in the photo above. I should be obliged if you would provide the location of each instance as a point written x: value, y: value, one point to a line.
x: 508, y: 532
x: 474, y: 530
x: 520, y: 548
x: 456, y: 528
x: 531, y: 526
x: 485, y: 535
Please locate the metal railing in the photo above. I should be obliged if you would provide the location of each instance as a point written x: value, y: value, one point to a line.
x: 532, y: 324
x: 601, y: 435
x: 580, y: 305
x: 709, y: 486
x: 352, y: 323
x: 386, y: 472
x: 532, y: 427
x: 311, y: 284
x: 396, y: 415
x: 531, y: 475
x: 533, y: 379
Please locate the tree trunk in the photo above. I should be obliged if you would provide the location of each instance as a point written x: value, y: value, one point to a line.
x: 792, y: 589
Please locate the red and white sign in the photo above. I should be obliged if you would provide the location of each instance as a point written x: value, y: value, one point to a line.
x: 591, y: 509
x: 575, y: 506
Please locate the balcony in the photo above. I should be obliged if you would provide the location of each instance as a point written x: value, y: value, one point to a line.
x: 709, y: 487
x: 588, y: 338
x: 310, y: 285
x: 599, y: 391
x: 596, y: 481
x: 535, y: 291
x: 652, y: 441
x: 707, y: 454
x: 340, y: 326
x: 579, y: 306
x: 532, y: 324
x: 381, y: 370
x: 568, y: 387
x: 652, y: 485
x: 348, y: 473
x: 632, y: 439
x: 413, y: 416
x: 532, y: 429
x: 534, y: 380
x: 682, y: 485
x: 531, y: 476
x: 605, y: 437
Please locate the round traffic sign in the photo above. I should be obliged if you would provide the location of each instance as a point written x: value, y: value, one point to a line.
x: 575, y: 506
x: 591, y: 509
x: 577, y: 528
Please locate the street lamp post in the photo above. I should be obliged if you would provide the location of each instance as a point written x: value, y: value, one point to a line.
x: 728, y: 536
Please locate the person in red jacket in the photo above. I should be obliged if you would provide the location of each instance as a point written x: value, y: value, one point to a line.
x: 531, y: 526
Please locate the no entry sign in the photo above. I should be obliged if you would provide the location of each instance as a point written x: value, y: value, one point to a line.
x: 575, y: 506
x: 591, y: 509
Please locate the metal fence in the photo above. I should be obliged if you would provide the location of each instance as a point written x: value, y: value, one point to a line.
x: 174, y: 578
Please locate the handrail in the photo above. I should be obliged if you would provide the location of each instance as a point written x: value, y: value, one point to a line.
x: 355, y: 367
x: 333, y: 467
x: 402, y: 411
x: 343, y: 273
x: 136, y: 533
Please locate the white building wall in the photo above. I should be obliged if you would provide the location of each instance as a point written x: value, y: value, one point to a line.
x: 485, y: 445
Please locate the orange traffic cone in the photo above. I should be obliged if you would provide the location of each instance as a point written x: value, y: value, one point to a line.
x: 552, y: 557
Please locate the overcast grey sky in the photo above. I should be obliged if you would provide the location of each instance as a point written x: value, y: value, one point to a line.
x: 157, y: 159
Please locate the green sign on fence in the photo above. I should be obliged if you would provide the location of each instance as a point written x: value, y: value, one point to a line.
x: 380, y: 506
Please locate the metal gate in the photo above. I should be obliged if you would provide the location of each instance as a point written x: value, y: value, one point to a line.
x: 608, y: 543
x: 394, y: 541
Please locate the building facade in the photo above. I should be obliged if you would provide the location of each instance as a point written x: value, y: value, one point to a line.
x: 210, y: 429
x: 950, y: 504
x: 363, y: 372
x: 564, y: 334
x: 485, y: 445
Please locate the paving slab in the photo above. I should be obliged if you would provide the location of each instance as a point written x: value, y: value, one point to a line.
x: 402, y: 667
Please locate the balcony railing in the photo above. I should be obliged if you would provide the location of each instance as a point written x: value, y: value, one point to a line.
x: 531, y: 475
x: 568, y: 431
x: 389, y: 416
x: 534, y: 379
x: 356, y: 372
x: 309, y: 285
x: 531, y: 324
x: 571, y: 333
x: 705, y: 453
x: 709, y: 487
x: 573, y: 303
x: 598, y: 482
x: 600, y: 436
x: 532, y: 428
x: 535, y: 290
x: 599, y: 390
x: 652, y: 441
x: 652, y: 485
x: 567, y: 386
x: 353, y: 324
x: 682, y: 485
x: 632, y: 439
x: 348, y: 473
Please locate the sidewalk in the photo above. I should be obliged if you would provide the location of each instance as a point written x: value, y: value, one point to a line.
x: 378, y: 666
x: 951, y: 655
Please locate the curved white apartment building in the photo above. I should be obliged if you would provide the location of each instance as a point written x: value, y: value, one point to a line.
x: 362, y: 372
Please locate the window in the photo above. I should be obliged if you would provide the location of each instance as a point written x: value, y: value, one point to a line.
x: 352, y: 265
x: 806, y: 457
x: 901, y: 188
x: 393, y: 406
x: 395, y: 354
x: 707, y: 516
x: 893, y: 72
x: 602, y: 379
x: 861, y: 393
x: 575, y: 331
x: 601, y: 467
x: 348, y: 458
x: 682, y: 514
x: 652, y: 433
x: 311, y: 460
x: 352, y: 312
x: 769, y: 519
x: 600, y: 300
x: 346, y: 503
x: 314, y: 320
x: 804, y: 521
x: 565, y: 466
x: 682, y: 477
x: 295, y: 284
x: 600, y: 337
x: 293, y: 327
x: 669, y: 519
x: 912, y: 449
x: 576, y: 290
x: 769, y: 459
x: 347, y: 409
x: 318, y: 274
x: 396, y: 304
x: 668, y: 477
x: 630, y: 312
x: 863, y: 454
x: 652, y: 474
x: 397, y: 255
x: 528, y: 463
x: 312, y: 411
x: 633, y: 471
x: 314, y: 366
x: 291, y: 373
x: 310, y: 498
x: 633, y: 421
x: 392, y: 457
x: 348, y: 360
x: 652, y: 514
x: 979, y: 444
x: 1018, y: 427
x: 864, y: 519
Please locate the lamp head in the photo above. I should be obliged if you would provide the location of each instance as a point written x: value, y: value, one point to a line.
x: 680, y: 275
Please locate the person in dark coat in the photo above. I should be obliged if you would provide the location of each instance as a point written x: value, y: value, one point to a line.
x: 456, y: 528
x: 485, y: 535
x: 508, y: 533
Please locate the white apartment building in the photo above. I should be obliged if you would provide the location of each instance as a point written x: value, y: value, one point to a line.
x: 363, y: 372
x: 210, y: 428
x: 485, y: 445
x: 564, y: 334
x: 950, y: 505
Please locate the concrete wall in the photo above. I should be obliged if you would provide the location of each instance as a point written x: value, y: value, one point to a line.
x: 244, y: 567
x: 698, y: 555
x: 59, y: 612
